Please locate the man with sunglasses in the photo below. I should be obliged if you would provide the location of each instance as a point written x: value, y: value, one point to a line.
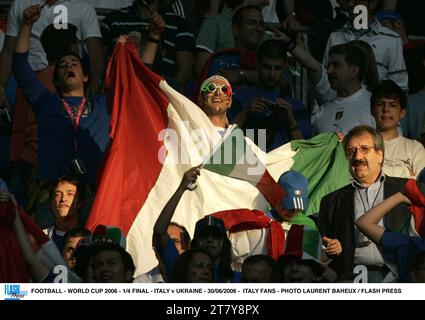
x: 364, y: 148
x: 215, y: 98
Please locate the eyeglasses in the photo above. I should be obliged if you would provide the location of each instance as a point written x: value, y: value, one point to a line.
x: 212, y: 87
x: 364, y: 150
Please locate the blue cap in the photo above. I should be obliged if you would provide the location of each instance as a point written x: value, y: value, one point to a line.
x: 211, y: 223
x: 389, y: 15
x: 296, y: 187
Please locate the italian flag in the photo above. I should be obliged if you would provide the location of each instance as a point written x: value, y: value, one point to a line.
x: 321, y: 160
x: 12, y: 264
x: 156, y: 135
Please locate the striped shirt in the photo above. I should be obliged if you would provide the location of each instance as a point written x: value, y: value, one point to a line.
x: 177, y: 36
x: 216, y: 33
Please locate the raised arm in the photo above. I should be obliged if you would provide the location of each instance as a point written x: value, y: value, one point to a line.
x: 156, y: 26
x: 303, y: 56
x: 368, y: 223
x: 164, y: 219
x: 25, y: 76
x: 31, y: 15
x: 37, y: 270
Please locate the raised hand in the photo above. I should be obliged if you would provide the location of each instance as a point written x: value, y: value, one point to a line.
x: 156, y: 24
x: 189, y: 178
x: 31, y: 14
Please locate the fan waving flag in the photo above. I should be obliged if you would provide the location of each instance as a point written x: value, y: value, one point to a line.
x: 157, y: 134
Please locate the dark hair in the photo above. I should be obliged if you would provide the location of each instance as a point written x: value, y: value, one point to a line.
x: 355, y: 56
x: 76, y: 232
x: 179, y: 273
x: 273, y: 49
x: 57, y: 42
x: 62, y: 179
x: 186, y: 236
x: 224, y: 267
x: 313, y: 265
x: 126, y: 258
x: 390, y: 90
x: 378, y: 141
x: 238, y: 15
x: 55, y: 71
x: 371, y: 78
x: 269, y: 261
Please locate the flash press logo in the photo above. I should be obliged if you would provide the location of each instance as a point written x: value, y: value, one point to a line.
x: 13, y: 292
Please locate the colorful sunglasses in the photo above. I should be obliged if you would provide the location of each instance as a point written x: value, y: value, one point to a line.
x: 212, y: 87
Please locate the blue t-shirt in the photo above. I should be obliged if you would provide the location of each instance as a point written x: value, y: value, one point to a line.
x: 244, y: 97
x: 400, y: 249
x: 169, y: 256
x: 55, y: 130
x: 224, y: 61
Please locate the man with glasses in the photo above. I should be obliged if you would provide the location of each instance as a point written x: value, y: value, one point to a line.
x: 364, y: 148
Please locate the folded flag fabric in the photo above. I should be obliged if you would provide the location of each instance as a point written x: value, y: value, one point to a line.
x: 12, y: 265
x: 321, y: 160
x: 245, y: 219
x: 417, y: 208
x: 156, y: 135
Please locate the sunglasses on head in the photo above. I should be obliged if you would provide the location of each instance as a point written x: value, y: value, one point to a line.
x: 212, y: 87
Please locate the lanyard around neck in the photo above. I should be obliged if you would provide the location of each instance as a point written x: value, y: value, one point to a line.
x: 75, y: 121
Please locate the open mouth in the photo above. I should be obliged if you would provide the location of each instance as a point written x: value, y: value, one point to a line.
x: 70, y: 74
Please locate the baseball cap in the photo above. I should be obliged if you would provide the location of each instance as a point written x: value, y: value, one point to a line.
x: 209, y: 223
x: 295, y: 185
x: 389, y: 15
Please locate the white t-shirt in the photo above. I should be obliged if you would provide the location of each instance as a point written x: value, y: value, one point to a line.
x: 342, y: 114
x: 79, y: 13
x: 269, y: 13
x: 400, y: 155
